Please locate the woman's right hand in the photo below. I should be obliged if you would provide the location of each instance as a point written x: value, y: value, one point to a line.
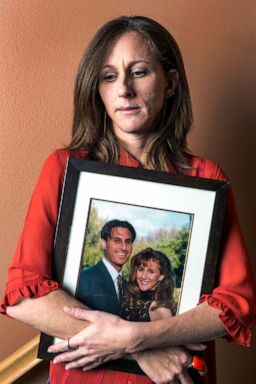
x: 105, y: 338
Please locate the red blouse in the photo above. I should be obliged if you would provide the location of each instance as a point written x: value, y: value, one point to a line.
x: 29, y: 274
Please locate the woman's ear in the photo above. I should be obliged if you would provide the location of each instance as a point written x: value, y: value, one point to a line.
x: 161, y: 277
x: 173, y: 78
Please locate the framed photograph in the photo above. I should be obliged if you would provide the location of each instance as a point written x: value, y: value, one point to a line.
x: 176, y: 220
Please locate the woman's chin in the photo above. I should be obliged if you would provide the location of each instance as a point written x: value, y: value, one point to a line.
x: 132, y: 129
x: 144, y: 288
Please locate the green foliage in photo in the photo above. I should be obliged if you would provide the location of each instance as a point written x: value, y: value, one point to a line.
x: 172, y: 242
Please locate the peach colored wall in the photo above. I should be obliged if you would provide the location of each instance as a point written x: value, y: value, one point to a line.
x: 41, y: 43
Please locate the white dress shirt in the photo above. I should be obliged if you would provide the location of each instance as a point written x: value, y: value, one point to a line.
x: 113, y: 273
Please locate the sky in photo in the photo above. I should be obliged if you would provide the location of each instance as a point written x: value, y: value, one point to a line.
x: 145, y: 220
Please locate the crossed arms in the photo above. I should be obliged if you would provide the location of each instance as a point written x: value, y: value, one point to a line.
x: 102, y: 337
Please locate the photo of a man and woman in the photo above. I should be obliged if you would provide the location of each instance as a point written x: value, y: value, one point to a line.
x: 133, y: 260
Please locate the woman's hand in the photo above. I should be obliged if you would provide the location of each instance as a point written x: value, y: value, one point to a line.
x: 95, y: 344
x: 165, y: 366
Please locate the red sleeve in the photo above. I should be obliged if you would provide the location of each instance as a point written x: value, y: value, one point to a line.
x: 234, y: 294
x: 29, y: 274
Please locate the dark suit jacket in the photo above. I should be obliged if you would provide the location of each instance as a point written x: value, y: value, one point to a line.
x: 96, y: 289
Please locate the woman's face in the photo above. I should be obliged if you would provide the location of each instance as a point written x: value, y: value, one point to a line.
x: 148, y: 275
x: 133, y: 86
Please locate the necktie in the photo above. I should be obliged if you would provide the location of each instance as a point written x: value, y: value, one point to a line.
x: 120, y: 287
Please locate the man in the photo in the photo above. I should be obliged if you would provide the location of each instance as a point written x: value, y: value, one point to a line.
x: 102, y: 285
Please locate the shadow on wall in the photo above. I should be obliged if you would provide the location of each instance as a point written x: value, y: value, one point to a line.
x: 230, y: 134
x: 236, y: 145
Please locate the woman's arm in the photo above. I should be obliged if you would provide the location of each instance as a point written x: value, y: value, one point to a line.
x: 31, y: 296
x: 46, y: 314
x: 195, y: 326
x: 109, y: 337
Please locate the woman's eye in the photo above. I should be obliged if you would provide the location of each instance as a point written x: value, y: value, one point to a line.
x: 109, y: 77
x: 138, y: 73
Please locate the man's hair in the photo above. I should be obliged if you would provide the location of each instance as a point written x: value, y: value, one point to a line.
x: 169, y: 139
x: 109, y: 225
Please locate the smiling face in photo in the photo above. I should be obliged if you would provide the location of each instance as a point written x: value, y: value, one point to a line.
x: 118, y: 247
x: 133, y: 86
x: 148, y: 275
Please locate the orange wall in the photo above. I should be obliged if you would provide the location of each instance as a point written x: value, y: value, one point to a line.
x: 41, y: 43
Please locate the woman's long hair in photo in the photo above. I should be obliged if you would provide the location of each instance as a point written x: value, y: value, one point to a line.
x: 163, y: 293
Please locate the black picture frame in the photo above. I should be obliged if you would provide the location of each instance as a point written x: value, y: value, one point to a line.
x: 205, y: 199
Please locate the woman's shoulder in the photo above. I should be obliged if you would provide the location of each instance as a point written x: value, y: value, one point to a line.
x: 159, y: 312
x: 205, y: 168
x: 55, y: 164
x: 60, y: 156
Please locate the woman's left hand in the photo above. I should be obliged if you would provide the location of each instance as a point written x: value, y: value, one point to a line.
x: 165, y: 366
x: 95, y: 344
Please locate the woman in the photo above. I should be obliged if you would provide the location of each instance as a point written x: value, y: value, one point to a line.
x: 149, y: 294
x: 131, y: 107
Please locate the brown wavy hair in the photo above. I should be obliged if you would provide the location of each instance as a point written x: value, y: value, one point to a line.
x: 163, y: 294
x: 169, y: 140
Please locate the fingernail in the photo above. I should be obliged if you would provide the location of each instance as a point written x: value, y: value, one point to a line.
x: 203, y: 346
x: 66, y: 308
x: 49, y: 349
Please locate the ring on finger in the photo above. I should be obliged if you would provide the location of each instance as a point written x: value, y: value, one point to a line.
x: 70, y: 347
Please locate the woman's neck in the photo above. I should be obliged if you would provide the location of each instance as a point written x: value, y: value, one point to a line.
x: 136, y: 146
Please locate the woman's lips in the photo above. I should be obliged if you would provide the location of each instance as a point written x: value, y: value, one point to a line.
x: 128, y: 110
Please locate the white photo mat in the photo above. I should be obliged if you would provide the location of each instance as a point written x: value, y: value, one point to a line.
x: 199, y: 203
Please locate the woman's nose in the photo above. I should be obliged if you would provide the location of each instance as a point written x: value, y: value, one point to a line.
x: 125, y: 88
x: 144, y: 274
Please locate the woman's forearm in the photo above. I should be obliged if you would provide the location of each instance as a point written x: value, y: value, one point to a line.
x: 195, y: 326
x: 109, y: 337
x: 46, y: 314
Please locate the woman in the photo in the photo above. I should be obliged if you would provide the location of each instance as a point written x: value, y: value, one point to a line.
x: 150, y: 289
x: 132, y: 107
